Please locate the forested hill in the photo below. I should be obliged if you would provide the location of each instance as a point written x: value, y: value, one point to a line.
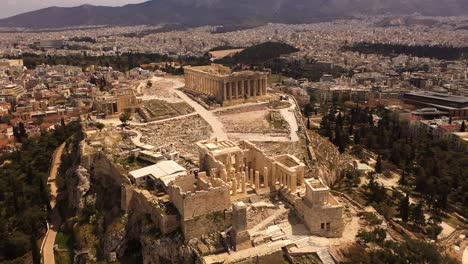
x: 24, y: 195
x: 260, y: 53
x: 435, y: 52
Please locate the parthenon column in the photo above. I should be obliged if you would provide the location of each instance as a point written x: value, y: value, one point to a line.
x: 248, y: 88
x: 236, y: 92
x: 224, y: 92
x: 241, y: 87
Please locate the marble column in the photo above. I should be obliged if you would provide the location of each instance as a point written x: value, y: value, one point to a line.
x: 265, y: 177
x: 257, y: 180
x: 234, y: 186
x: 224, y: 92
x: 244, y: 184
x: 251, y: 176
x: 241, y: 88
x: 273, y: 174
x: 234, y: 87
x: 293, y: 184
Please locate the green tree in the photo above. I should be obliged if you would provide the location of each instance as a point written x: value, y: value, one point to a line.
x: 433, y: 231
x: 417, y: 215
x: 100, y: 126
x: 126, y: 116
x: 404, y: 208
x: 378, y: 165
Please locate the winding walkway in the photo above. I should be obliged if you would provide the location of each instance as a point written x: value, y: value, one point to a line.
x: 209, y: 117
x: 55, y: 220
x: 290, y: 117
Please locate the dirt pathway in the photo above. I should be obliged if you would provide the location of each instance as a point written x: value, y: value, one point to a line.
x: 54, y: 225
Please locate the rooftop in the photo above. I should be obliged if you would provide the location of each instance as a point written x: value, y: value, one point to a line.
x: 439, y: 96
x: 166, y: 171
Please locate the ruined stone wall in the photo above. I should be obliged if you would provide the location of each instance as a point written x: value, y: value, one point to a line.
x: 186, y: 183
x: 205, y: 202
x: 115, y: 188
x: 256, y: 157
x: 141, y: 204
x: 213, y: 222
x: 208, y: 162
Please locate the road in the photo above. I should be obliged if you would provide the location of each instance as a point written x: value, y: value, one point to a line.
x: 290, y: 117
x: 209, y: 117
x: 465, y: 256
x: 48, y: 250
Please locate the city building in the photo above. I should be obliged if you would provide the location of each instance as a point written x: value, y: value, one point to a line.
x: 454, y: 105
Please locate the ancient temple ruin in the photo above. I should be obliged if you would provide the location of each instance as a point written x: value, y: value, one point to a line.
x: 245, y: 165
x: 225, y: 86
x: 321, y: 212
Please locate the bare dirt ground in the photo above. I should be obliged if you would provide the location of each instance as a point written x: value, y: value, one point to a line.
x: 163, y: 89
x: 247, y: 122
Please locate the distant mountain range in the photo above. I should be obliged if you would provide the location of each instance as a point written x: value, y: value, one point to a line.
x: 228, y: 12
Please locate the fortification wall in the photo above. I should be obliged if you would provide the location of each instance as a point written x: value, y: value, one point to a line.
x: 207, y: 224
x: 205, y: 202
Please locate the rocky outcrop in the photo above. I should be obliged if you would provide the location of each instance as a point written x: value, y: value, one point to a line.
x: 166, y: 250
x: 78, y: 180
x: 330, y: 165
x: 111, y: 218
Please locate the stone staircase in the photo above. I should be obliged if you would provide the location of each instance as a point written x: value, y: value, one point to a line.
x: 325, y: 256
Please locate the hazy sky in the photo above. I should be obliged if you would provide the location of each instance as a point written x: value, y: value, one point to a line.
x: 13, y: 7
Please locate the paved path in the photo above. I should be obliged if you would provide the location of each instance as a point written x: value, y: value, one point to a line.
x: 48, y: 250
x: 257, y: 137
x: 465, y: 256
x: 290, y: 117
x: 209, y: 117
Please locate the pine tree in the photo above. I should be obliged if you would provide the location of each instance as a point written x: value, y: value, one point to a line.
x: 357, y: 137
x: 404, y: 208
x: 22, y: 130
x: 378, y: 165
x: 417, y: 215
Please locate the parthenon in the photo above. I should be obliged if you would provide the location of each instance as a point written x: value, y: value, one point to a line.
x: 225, y: 86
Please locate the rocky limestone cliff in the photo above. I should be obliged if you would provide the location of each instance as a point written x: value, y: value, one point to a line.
x: 330, y: 164
x: 111, y: 219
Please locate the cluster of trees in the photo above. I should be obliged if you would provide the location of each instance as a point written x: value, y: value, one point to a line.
x: 19, y: 132
x: 123, y: 62
x: 24, y: 194
x: 259, y: 54
x: 413, y: 216
x: 83, y: 39
x: 333, y: 126
x: 408, y: 251
x: 311, y: 70
x: 434, y: 168
x: 435, y: 52
x: 266, y: 55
